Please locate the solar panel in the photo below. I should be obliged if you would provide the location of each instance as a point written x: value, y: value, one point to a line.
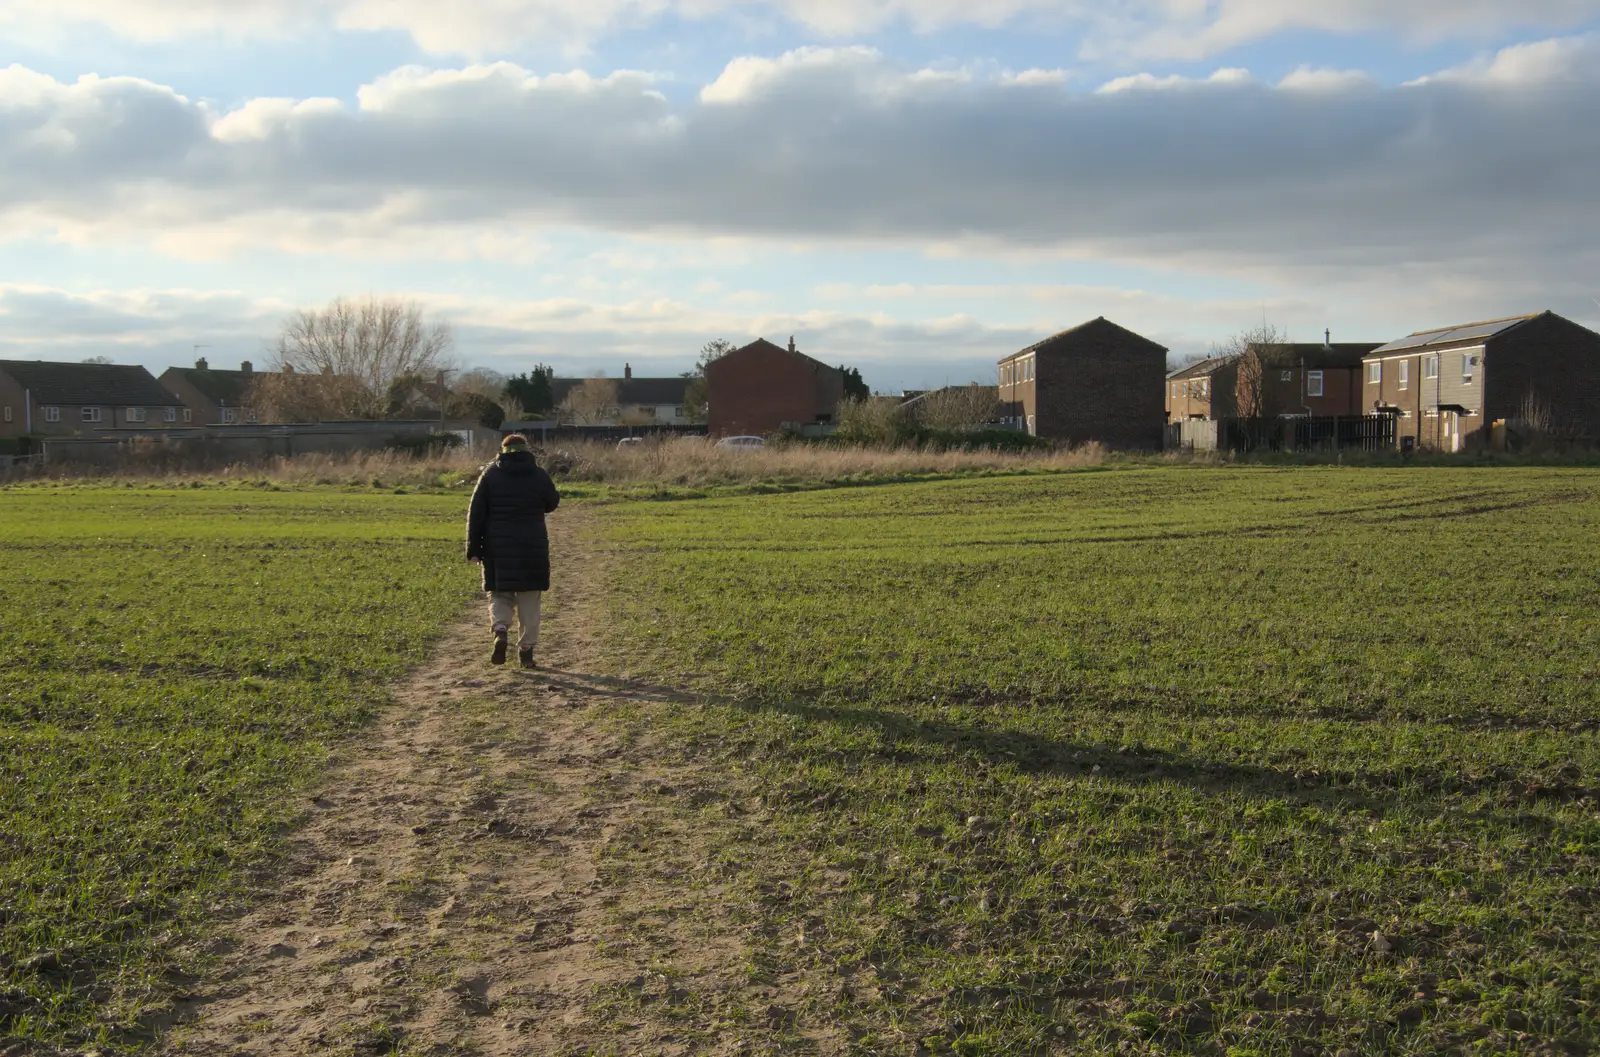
x: 1446, y: 335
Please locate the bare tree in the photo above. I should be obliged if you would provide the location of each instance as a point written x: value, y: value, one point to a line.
x: 99, y: 359
x: 957, y: 407
x: 591, y: 402
x: 480, y: 381
x: 345, y: 360
x: 1260, y: 354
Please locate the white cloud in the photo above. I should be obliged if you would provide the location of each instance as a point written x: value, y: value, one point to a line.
x: 1309, y: 79
x: 838, y: 145
x: 1166, y: 28
x: 1148, y: 81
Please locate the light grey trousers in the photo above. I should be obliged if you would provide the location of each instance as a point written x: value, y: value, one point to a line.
x: 525, y: 606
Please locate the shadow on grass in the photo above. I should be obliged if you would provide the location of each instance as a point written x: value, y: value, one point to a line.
x: 908, y: 739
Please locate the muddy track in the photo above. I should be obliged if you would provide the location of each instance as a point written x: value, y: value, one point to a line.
x: 448, y: 890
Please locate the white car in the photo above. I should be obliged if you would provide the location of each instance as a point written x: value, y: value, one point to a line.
x: 742, y: 443
x: 627, y: 442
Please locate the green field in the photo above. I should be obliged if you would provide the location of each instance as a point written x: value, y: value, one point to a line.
x: 172, y: 665
x: 1254, y: 761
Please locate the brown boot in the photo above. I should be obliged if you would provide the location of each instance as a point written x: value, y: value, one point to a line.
x: 499, y: 654
x: 525, y: 658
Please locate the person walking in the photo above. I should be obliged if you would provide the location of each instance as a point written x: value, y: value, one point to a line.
x: 506, y: 534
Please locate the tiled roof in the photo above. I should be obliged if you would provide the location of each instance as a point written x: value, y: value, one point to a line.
x: 1067, y: 335
x: 1339, y: 354
x: 630, y: 390
x: 103, y: 384
x: 1201, y: 369
x: 223, y: 388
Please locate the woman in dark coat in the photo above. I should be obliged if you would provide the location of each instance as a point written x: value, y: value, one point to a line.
x: 506, y: 533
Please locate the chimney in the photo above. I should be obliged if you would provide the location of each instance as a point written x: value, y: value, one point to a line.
x: 1327, y: 338
x: 627, y: 371
x: 245, y: 368
x: 791, y: 344
x: 201, y: 365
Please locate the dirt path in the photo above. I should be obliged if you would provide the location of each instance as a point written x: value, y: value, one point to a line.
x: 452, y: 889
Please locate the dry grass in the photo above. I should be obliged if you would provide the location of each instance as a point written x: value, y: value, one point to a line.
x: 677, y: 463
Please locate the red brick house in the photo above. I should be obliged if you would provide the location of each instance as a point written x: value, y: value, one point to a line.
x: 1095, y: 382
x: 61, y: 399
x: 1193, y: 391
x: 1302, y: 379
x: 1447, y: 386
x: 764, y: 388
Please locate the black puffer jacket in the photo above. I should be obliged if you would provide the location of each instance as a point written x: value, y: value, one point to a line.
x: 505, y: 526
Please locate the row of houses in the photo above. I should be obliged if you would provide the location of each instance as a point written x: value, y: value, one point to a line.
x: 46, y: 399
x: 1444, y: 389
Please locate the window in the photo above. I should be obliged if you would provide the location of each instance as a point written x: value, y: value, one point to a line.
x: 1375, y: 372
x: 1185, y: 388
x: 250, y: 415
x: 1030, y: 369
x: 1469, y: 364
x: 8, y: 413
x: 677, y: 412
x: 188, y: 415
x: 135, y: 414
x: 1030, y: 426
x: 52, y: 414
x: 227, y: 415
x: 1285, y: 376
x: 169, y: 414
x: 1430, y: 367
x: 1402, y: 377
x: 1202, y: 386
x: 1313, y: 383
x: 91, y: 414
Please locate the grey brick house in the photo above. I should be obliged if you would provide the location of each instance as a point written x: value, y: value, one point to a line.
x: 1095, y: 382
x: 1448, y: 386
x: 214, y: 396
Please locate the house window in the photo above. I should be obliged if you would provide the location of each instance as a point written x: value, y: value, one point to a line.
x: 8, y: 413
x: 1313, y: 383
x: 169, y: 414
x: 1030, y: 369
x: 1469, y: 364
x: 188, y: 415
x: 52, y: 414
x: 91, y: 414
x: 1374, y: 372
x: 1430, y: 367
x: 135, y: 414
x: 1285, y: 376
x: 250, y: 415
x: 227, y: 415
x: 1030, y: 426
x: 1402, y: 377
x: 677, y: 412
x: 1205, y: 386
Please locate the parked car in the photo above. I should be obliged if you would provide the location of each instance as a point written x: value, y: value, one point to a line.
x: 742, y: 443
x: 628, y: 442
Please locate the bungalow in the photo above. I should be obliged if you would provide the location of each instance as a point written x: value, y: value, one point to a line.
x: 628, y: 401
x: 60, y: 399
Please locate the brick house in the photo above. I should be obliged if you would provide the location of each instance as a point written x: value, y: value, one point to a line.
x: 62, y: 399
x: 640, y: 401
x: 1202, y: 390
x: 1095, y: 382
x: 214, y: 397
x: 765, y: 388
x: 1305, y: 378
x: 1446, y: 386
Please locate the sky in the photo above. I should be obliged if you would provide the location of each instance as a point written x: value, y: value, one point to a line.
x: 912, y: 187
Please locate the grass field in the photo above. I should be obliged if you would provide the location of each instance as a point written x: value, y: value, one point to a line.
x: 172, y: 665
x: 1260, y: 761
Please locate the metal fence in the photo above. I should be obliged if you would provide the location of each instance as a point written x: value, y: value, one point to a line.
x: 1325, y: 433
